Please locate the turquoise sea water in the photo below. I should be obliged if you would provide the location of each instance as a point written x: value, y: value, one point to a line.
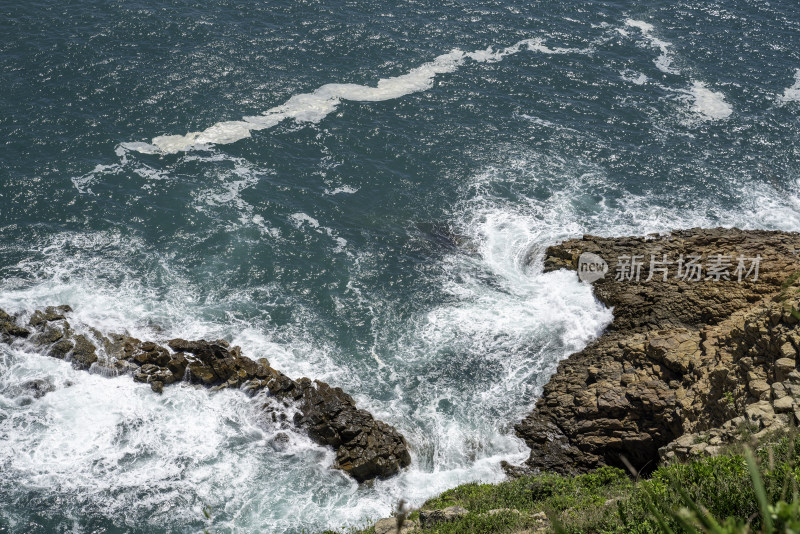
x: 361, y: 193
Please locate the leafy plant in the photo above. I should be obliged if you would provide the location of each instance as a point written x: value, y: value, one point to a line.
x: 693, y: 518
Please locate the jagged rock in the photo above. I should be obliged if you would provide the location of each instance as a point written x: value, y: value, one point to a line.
x: 177, y: 364
x: 760, y: 389
x: 365, y: 447
x: 503, y: 511
x: 784, y: 366
x: 784, y: 404
x: 680, y: 359
x: 778, y: 390
x: 542, y: 525
x: 50, y: 335
x: 84, y: 352
x: 202, y: 373
x: 51, y: 313
x: 280, y: 442
x: 431, y: 518
x: 121, y: 346
x: 9, y: 328
x: 61, y: 348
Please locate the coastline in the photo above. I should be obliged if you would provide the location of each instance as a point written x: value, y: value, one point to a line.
x: 681, y: 357
x: 366, y: 448
x: 687, y: 370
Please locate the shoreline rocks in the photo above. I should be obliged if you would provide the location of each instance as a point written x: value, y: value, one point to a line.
x: 366, y: 448
x: 686, y: 365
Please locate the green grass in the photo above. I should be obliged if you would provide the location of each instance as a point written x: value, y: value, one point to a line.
x: 718, y: 494
x: 579, y: 500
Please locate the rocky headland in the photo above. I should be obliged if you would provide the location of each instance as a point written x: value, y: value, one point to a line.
x: 365, y: 447
x: 691, y: 361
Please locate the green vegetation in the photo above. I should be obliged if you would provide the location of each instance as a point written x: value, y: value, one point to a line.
x: 734, y: 493
x: 784, y: 293
x: 789, y: 282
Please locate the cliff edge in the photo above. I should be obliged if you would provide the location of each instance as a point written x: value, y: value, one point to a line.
x: 703, y: 347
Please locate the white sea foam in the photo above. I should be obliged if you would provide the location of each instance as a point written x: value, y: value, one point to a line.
x: 346, y: 189
x: 196, y: 449
x: 315, y: 106
x: 84, y: 182
x: 664, y: 61
x: 301, y: 218
x: 634, y: 77
x: 144, y: 460
x: 792, y: 94
x: 706, y: 104
x: 710, y: 105
x: 229, y: 177
x: 465, y: 369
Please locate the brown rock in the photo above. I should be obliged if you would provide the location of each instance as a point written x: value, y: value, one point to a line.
x: 783, y: 366
x: 784, y: 404
x: 679, y: 357
x: 9, y: 328
x: 84, y: 352
x: 759, y: 389
x: 202, y: 373
x: 60, y: 349
x: 177, y: 364
x: 389, y: 525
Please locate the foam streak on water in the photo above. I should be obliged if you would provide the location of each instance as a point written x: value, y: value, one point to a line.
x: 315, y: 106
x: 792, y: 94
x: 708, y: 105
x: 664, y: 61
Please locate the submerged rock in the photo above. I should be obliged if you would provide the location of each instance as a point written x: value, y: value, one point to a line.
x: 35, y: 389
x: 683, y: 360
x: 365, y: 447
x: 38, y: 387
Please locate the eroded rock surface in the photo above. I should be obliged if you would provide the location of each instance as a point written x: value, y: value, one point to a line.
x: 365, y: 447
x: 685, y: 365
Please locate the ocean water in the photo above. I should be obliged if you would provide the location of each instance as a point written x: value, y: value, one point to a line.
x: 360, y: 192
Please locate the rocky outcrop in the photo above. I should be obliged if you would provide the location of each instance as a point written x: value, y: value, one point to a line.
x: 688, y: 363
x: 365, y: 447
x: 433, y: 518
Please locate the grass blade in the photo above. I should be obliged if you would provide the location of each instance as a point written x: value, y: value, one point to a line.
x: 761, y: 493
